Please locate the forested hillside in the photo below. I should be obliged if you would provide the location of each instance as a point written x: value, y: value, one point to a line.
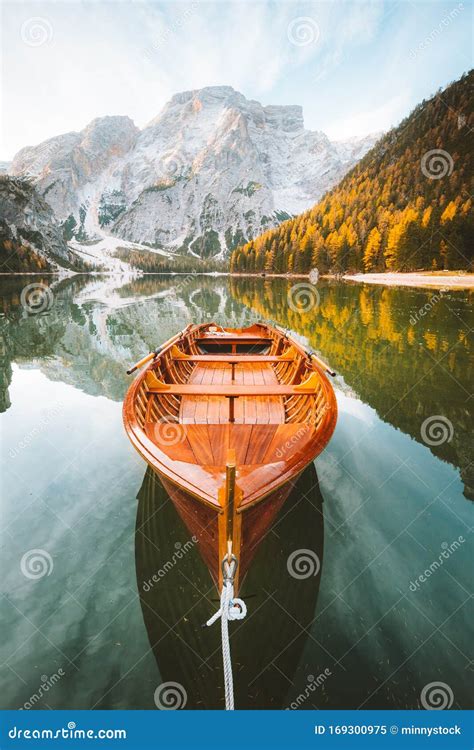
x: 150, y: 262
x: 407, y: 205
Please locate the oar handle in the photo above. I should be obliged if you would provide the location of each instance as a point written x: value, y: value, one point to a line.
x: 144, y: 361
x: 154, y: 354
x: 322, y: 364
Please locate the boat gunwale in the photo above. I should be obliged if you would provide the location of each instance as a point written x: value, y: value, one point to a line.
x: 148, y: 449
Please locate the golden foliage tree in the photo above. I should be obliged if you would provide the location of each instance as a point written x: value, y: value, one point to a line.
x: 390, y: 212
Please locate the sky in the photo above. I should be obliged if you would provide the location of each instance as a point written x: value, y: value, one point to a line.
x: 356, y: 67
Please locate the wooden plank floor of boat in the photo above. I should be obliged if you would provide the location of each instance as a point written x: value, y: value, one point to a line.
x: 210, y: 445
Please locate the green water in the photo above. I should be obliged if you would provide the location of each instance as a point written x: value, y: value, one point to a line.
x: 380, y: 507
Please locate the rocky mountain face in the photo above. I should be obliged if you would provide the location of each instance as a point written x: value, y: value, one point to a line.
x: 30, y: 237
x: 212, y: 170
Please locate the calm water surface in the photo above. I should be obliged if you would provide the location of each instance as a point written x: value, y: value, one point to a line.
x: 390, y: 498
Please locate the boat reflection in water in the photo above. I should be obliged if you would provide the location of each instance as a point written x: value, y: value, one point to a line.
x: 281, y: 589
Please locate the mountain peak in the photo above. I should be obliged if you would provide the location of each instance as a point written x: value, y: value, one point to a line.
x: 110, y: 121
x: 211, y: 92
x: 116, y: 132
x: 285, y: 117
x: 210, y: 171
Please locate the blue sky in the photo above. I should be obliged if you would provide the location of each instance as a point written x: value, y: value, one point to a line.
x: 355, y: 67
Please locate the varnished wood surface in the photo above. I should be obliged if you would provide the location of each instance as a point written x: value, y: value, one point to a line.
x: 214, y: 409
x: 230, y: 358
x: 233, y: 338
x: 244, y: 389
x: 276, y: 410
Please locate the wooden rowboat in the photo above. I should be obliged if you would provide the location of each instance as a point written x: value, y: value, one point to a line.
x: 229, y: 418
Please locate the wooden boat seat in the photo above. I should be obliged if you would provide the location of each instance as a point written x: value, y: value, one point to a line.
x: 233, y: 391
x: 308, y: 387
x: 236, y: 358
x: 219, y: 338
x: 289, y: 356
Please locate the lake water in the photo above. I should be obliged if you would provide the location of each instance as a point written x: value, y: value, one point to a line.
x: 387, y: 508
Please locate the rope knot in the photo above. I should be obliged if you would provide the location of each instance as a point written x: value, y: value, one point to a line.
x: 237, y: 609
x: 231, y: 608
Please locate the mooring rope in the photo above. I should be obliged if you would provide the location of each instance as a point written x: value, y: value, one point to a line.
x: 231, y: 609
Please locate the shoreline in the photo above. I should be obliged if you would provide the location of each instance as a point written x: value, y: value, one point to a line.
x: 418, y: 279
x: 427, y: 279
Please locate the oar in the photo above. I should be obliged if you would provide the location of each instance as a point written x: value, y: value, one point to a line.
x: 154, y: 354
x: 320, y: 362
x: 144, y: 361
x: 309, y: 352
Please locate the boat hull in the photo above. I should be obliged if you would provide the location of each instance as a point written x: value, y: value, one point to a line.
x: 203, y: 524
x: 229, y: 419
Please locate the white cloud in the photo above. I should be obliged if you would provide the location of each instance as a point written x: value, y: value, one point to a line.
x: 130, y: 57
